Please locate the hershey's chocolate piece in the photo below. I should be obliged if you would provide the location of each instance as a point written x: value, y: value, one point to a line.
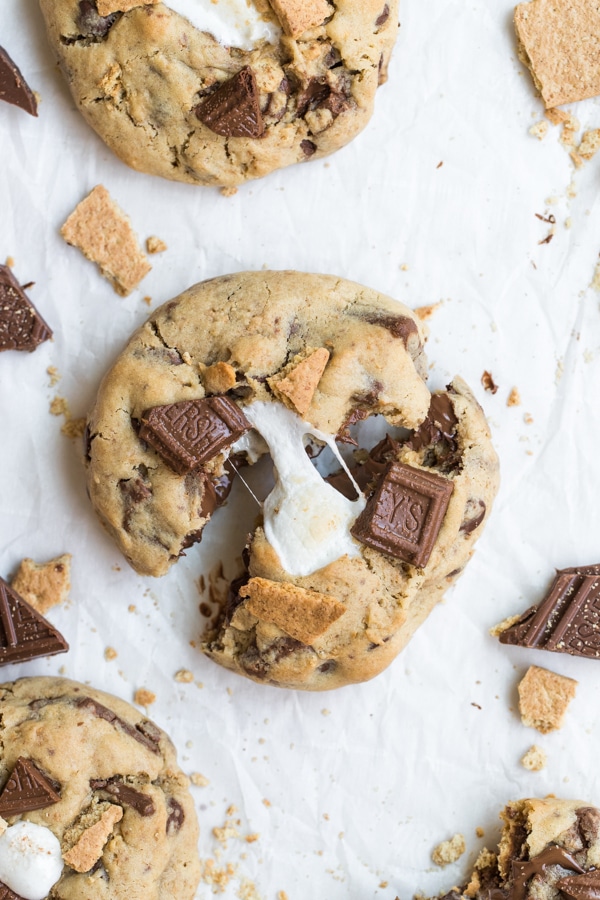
x: 13, y: 87
x: 581, y: 887
x: 568, y: 618
x: 24, y: 633
x: 191, y: 432
x: 405, y: 514
x: 140, y: 802
x: 523, y: 871
x: 140, y: 733
x: 21, y: 326
x: 26, y: 789
x: 7, y: 894
x: 176, y: 816
x: 234, y: 109
x: 440, y: 425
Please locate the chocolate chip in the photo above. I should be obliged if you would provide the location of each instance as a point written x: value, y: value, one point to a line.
x: 474, y: 515
x: 383, y: 16
x: 308, y: 148
x: 328, y: 666
x: 176, y: 816
x: 234, y: 109
x: 21, y: 326
x: 124, y: 793
x: 13, y: 87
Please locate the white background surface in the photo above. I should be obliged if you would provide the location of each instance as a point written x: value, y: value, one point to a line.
x: 358, y: 796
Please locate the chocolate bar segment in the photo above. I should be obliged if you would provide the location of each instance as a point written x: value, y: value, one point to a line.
x: 24, y: 633
x: 568, y: 618
x: 13, y: 87
x: 124, y: 793
x: 190, y: 433
x: 234, y: 109
x: 404, y: 516
x: 21, y: 326
x: 581, y: 887
x: 25, y: 790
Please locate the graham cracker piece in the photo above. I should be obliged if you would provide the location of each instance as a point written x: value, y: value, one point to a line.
x: 300, y: 379
x: 155, y: 245
x: 297, y: 16
x: 449, y: 851
x: 107, y: 7
x: 559, y: 41
x: 590, y: 144
x: 103, y: 233
x: 218, y: 378
x: 304, y: 615
x: 543, y: 699
x: 88, y: 849
x: 44, y: 585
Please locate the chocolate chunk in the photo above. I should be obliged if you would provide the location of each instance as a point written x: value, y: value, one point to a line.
x: 581, y: 887
x: 475, y: 511
x: 92, y: 24
x: 522, y: 872
x: 440, y: 425
x: 24, y: 633
x: 7, y: 894
x: 234, y: 109
x: 567, y: 620
x: 176, y: 816
x: 21, y: 326
x: 405, y: 514
x: 124, y: 793
x: 588, y: 822
x: 401, y: 327
x: 313, y: 95
x: 383, y: 16
x: 140, y: 733
x: 13, y: 87
x: 25, y: 790
x: 189, y: 433
x: 308, y: 148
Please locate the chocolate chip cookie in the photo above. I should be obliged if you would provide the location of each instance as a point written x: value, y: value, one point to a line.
x: 347, y: 561
x: 238, y: 91
x: 95, y: 803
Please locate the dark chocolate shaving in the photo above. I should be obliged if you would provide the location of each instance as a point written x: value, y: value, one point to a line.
x: 13, y: 87
x: 142, y: 733
x: 124, y: 793
x: 234, y: 109
x: 26, y: 789
x: 567, y: 620
x: 24, y: 633
x: 21, y: 326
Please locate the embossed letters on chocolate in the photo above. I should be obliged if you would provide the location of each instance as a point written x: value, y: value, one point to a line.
x: 24, y: 633
x: 26, y: 789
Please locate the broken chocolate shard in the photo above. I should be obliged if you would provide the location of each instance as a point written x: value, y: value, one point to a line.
x: 124, y: 793
x: 568, y: 618
x: 21, y: 326
x: 581, y: 887
x: 24, y: 633
x: 234, y: 109
x: 26, y: 789
x: 191, y: 432
x: 404, y: 516
x: 13, y: 87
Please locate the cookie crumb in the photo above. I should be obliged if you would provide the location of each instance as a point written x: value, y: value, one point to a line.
x: 44, y: 585
x: 147, y: 300
x: 184, y: 676
x: 103, y: 233
x: 54, y: 375
x: 449, y: 851
x: 155, y: 245
x: 479, y: 832
x: 199, y: 780
x: 528, y: 419
x: 281, y: 895
x: 543, y: 699
x: 514, y: 398
x: 10, y: 262
x: 110, y: 653
x: 252, y: 838
x: 488, y: 382
x: 266, y: 802
x: 144, y: 697
x: 325, y: 712
x: 426, y: 312
x: 72, y: 427
x: 404, y: 267
x: 535, y: 759
x: 229, y: 191
x: 539, y: 130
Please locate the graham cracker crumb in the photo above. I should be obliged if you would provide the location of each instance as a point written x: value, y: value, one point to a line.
x: 535, y: 759
x: 281, y: 895
x: 72, y: 427
x: 147, y: 300
x: 304, y: 615
x: 103, y: 233
x: 88, y: 849
x: 155, y: 245
x: 216, y: 877
x: 497, y: 630
x: 59, y: 407
x: 557, y: 116
x: 266, y: 802
x: 425, y: 312
x: 404, y: 267
x: 54, y: 375
x: 132, y: 608
x: 199, y: 780
x: 144, y: 697
x: 488, y: 382
x: 229, y: 191
x: 44, y: 585
x: 296, y: 384
x: 106, y: 7
x: 218, y: 378
x: 10, y: 262
x: 184, y: 676
x: 539, y: 130
x: 297, y: 16
x: 110, y: 653
x: 514, y: 398
x: 479, y: 832
x: 543, y: 699
x: 252, y: 838
x: 590, y: 144
x: 449, y: 851
x: 569, y: 131
x: 528, y: 418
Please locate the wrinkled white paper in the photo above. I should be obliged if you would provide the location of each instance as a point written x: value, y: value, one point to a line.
x: 435, y: 202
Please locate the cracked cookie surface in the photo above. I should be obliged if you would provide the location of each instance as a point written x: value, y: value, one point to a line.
x: 242, y: 339
x: 124, y: 818
x: 141, y: 79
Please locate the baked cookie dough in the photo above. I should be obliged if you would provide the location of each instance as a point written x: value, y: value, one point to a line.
x: 337, y: 579
x: 90, y: 779
x: 549, y: 850
x: 229, y: 94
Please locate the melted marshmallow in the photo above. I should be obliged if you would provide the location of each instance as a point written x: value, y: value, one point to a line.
x: 30, y: 860
x: 306, y: 521
x: 233, y: 23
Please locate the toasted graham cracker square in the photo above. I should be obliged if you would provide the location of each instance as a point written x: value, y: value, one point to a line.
x: 297, y: 16
x: 88, y: 849
x: 106, y: 7
x: 304, y: 615
x: 103, y: 233
x: 296, y: 384
x: 44, y: 585
x: 543, y: 699
x: 559, y: 41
